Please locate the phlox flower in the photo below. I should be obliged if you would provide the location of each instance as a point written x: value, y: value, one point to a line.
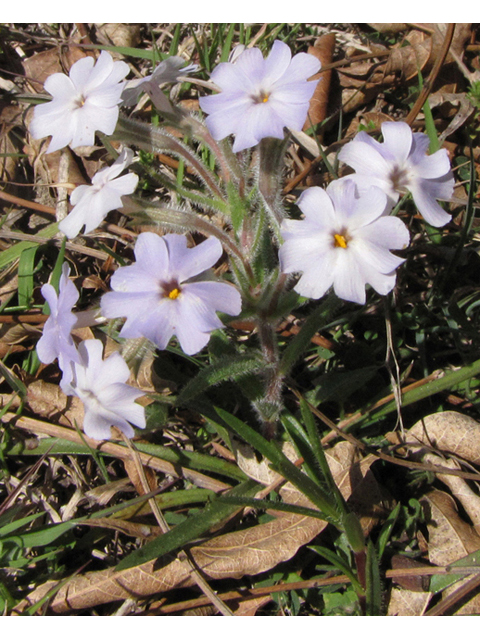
x: 159, y: 299
x: 260, y: 96
x: 93, y: 202
x: 56, y: 341
x: 83, y: 102
x: 100, y: 385
x: 169, y: 70
x: 399, y: 165
x: 344, y: 240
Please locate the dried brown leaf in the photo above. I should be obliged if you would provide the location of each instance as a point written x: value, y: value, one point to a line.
x: 390, y: 27
x: 449, y: 432
x: 48, y: 401
x: 357, y: 483
x: 251, y: 606
x: 408, y: 603
x: 118, y: 34
x: 450, y: 537
x: 410, y: 59
x: 322, y: 49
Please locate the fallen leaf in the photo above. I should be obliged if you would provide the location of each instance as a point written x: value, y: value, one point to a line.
x: 118, y: 34
x: 408, y: 603
x: 322, y: 49
x: 48, y: 401
x: 450, y: 537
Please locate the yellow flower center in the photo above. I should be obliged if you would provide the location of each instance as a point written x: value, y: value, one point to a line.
x: 174, y: 293
x: 340, y: 241
x: 260, y: 97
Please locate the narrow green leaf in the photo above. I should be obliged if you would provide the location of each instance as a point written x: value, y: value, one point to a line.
x: 338, y: 562
x: 15, y: 251
x: 228, y: 368
x: 374, y: 585
x: 227, y: 45
x: 26, y: 268
x: 189, y: 530
x: 283, y: 465
x: 449, y: 380
x: 187, y: 459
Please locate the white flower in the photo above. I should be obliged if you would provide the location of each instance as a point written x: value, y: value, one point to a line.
x: 400, y: 165
x: 93, y: 202
x: 169, y: 70
x: 160, y: 295
x: 260, y: 96
x: 56, y: 341
x: 83, y: 102
x: 100, y: 385
x: 344, y: 240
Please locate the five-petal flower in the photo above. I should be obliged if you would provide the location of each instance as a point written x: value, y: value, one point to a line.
x: 158, y: 298
x: 400, y: 165
x: 260, y: 96
x: 83, y: 102
x: 93, y: 202
x: 344, y: 240
x: 56, y: 340
x: 100, y: 385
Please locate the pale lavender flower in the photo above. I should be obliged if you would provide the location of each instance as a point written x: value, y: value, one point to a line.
x: 169, y: 70
x: 158, y: 298
x: 100, y: 385
x: 344, y: 240
x: 400, y: 165
x: 93, y: 202
x: 83, y: 102
x: 260, y: 96
x: 56, y: 341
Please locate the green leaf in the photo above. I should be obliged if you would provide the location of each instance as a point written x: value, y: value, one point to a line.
x: 186, y: 459
x: 283, y: 465
x: 338, y: 562
x: 15, y: 251
x: 228, y: 368
x: 189, y: 530
x: 26, y: 269
x: 374, y: 585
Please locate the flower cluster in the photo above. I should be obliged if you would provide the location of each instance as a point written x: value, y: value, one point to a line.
x: 99, y: 384
x: 344, y: 242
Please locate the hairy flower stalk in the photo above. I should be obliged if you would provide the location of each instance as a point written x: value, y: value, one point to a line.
x: 270, y: 406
